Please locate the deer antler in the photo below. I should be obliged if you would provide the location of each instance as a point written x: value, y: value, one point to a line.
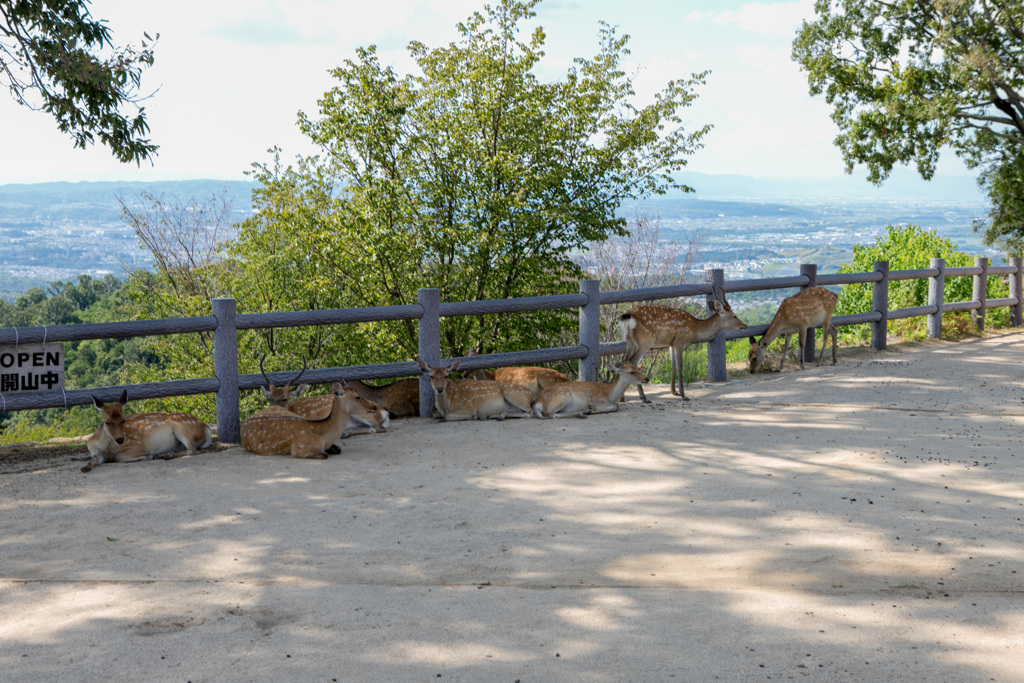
x: 288, y: 384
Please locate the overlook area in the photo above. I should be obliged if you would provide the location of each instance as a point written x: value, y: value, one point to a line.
x: 859, y: 522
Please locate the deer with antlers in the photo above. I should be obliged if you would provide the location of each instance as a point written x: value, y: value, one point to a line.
x: 369, y: 418
x: 143, y: 436
x: 471, y: 399
x: 400, y: 399
x: 580, y: 399
x: 534, y: 378
x: 652, y: 326
x: 803, y: 311
x: 278, y: 431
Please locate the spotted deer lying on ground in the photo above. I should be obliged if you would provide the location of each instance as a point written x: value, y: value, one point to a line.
x: 278, y: 431
x: 400, y: 399
x: 805, y: 310
x: 472, y: 399
x: 534, y: 378
x: 580, y: 399
x: 143, y: 436
x: 368, y: 419
x: 653, y: 326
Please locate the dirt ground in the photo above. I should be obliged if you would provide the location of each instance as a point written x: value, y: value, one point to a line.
x: 860, y: 522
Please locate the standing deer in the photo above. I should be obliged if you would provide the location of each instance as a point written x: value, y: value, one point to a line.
x: 278, y: 431
x: 582, y: 398
x: 400, y: 399
x: 143, y: 436
x: 805, y: 310
x: 653, y: 326
x: 470, y: 399
x: 534, y: 378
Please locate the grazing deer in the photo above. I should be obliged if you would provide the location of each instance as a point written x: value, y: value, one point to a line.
x: 143, y: 436
x: 805, y: 310
x: 652, y: 326
x: 278, y: 431
x: 400, y: 399
x: 471, y: 399
x: 536, y: 379
x: 281, y: 395
x: 583, y: 398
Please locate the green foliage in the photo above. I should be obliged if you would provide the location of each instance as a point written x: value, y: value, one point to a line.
x: 908, y: 248
x: 52, y: 57
x: 1004, y: 183
x: 472, y: 177
x: 907, y: 77
x: 88, y: 363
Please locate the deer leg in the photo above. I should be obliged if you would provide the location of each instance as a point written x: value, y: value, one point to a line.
x: 828, y: 329
x: 677, y: 361
x: 785, y: 350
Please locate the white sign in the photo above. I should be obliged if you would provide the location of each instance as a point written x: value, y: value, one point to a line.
x: 31, y: 367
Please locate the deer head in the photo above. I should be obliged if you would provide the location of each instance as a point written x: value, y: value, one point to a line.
x: 281, y: 395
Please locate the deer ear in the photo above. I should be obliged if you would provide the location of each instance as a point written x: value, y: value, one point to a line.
x: 454, y: 366
x: 752, y: 340
x: 299, y: 389
x: 124, y: 397
x: 266, y: 391
x: 98, y: 403
x: 423, y: 366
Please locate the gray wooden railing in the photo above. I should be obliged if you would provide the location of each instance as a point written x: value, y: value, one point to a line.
x: 428, y: 311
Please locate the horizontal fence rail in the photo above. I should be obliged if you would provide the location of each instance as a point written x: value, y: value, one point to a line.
x: 428, y: 311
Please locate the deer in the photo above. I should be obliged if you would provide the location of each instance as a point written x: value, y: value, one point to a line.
x: 470, y: 399
x: 652, y: 326
x: 534, y: 378
x: 278, y: 431
x: 805, y: 310
x: 281, y: 395
x: 580, y: 399
x: 143, y: 436
x: 400, y: 399
x: 368, y: 419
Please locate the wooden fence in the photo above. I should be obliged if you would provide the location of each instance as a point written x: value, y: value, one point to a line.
x: 224, y: 323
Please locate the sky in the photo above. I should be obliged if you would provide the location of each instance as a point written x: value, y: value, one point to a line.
x: 231, y: 76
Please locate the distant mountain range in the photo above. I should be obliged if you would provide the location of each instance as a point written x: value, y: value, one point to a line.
x: 97, y: 201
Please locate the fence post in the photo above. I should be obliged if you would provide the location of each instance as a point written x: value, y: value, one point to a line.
x: 429, y: 334
x: 225, y: 369
x: 716, y: 347
x: 590, y: 330
x: 880, y: 304
x: 980, y: 292
x: 936, y: 296
x: 811, y: 271
x: 1017, y: 310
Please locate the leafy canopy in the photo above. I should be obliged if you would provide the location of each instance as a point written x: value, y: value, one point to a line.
x: 472, y: 175
x: 55, y: 57
x: 906, y: 77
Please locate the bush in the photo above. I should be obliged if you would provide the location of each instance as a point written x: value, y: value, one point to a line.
x: 906, y: 248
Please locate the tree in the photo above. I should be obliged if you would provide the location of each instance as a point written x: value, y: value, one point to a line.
x: 472, y: 176
x: 908, y: 247
x: 55, y: 57
x: 1004, y: 183
x: 907, y: 77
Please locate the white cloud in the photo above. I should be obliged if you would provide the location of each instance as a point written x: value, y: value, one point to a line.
x: 772, y: 19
